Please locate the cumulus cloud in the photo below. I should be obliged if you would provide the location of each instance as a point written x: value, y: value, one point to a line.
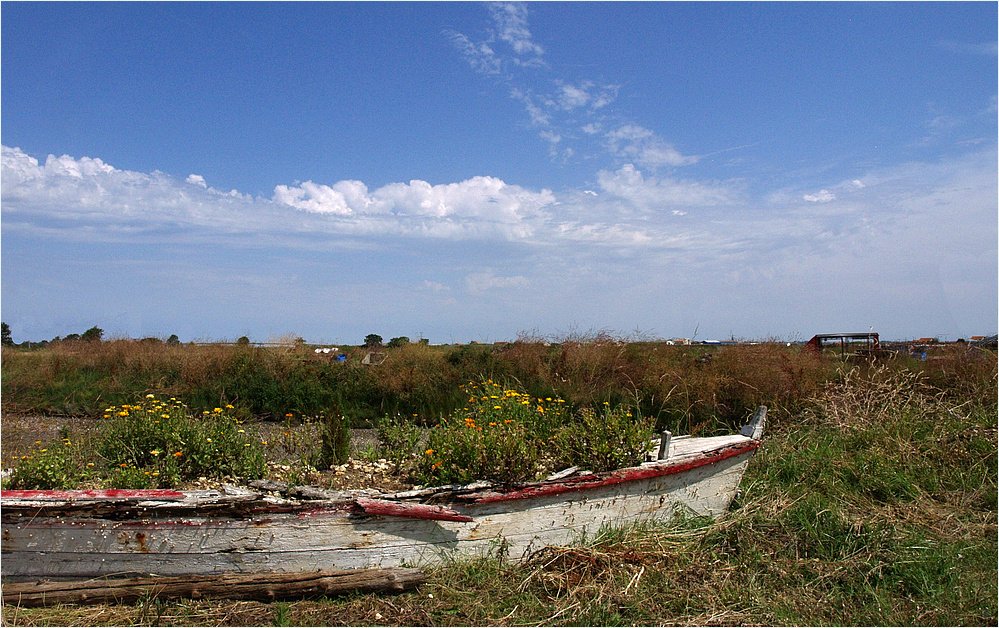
x: 196, y: 179
x: 92, y: 193
x: 484, y: 200
x: 311, y: 197
x: 627, y: 213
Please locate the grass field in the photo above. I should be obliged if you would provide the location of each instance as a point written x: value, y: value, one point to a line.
x: 872, y: 502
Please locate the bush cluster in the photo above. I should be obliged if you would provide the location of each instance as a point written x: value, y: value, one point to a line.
x: 507, y: 436
x: 151, y: 444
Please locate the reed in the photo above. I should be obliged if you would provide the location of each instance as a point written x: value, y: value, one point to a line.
x: 686, y: 389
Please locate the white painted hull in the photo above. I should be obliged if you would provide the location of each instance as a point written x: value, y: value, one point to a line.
x: 53, y: 535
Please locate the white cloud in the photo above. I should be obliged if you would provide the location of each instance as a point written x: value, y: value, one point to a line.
x: 434, y: 286
x: 511, y: 25
x: 823, y: 196
x: 480, y: 56
x: 196, y: 179
x: 487, y: 281
x: 643, y: 146
x: 538, y: 115
x: 93, y: 194
x: 985, y: 49
x: 913, y: 230
x: 310, y: 197
x: 583, y: 94
x: 653, y: 194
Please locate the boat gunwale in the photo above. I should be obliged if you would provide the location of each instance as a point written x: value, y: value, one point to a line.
x: 40, y: 502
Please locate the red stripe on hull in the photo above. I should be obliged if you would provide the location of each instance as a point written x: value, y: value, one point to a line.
x: 617, y: 477
x: 154, y: 494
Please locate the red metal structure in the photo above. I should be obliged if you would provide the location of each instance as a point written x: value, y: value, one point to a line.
x: 871, y: 340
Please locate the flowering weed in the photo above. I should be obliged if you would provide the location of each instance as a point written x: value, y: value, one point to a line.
x: 158, y: 443
x: 56, y: 465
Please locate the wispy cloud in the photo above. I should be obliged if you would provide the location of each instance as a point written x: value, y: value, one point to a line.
x: 480, y: 56
x: 566, y: 113
x: 511, y: 26
x: 644, y: 147
x: 487, y: 281
x: 986, y: 49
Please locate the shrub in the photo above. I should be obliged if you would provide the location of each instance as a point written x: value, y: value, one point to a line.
x: 611, y: 439
x: 506, y: 436
x: 163, y: 442
x: 398, y: 438
x: 56, y: 466
x: 334, y: 436
x: 500, y: 435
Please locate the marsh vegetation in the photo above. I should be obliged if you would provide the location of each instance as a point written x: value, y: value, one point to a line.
x: 873, y: 500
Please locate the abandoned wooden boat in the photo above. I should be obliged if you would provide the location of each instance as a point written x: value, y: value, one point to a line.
x: 103, y: 533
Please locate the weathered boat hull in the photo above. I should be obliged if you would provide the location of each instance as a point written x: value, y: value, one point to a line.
x: 74, y: 535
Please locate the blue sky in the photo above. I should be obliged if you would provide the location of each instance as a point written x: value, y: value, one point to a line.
x: 476, y: 171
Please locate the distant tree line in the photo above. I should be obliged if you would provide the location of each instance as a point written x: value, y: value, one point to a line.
x: 94, y: 334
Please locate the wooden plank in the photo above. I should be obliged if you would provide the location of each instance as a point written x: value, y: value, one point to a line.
x: 413, y: 511
x: 265, y: 586
x: 162, y: 494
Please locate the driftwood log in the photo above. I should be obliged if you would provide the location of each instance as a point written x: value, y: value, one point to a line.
x: 263, y: 586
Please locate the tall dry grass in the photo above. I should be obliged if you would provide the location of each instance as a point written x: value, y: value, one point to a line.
x: 688, y: 389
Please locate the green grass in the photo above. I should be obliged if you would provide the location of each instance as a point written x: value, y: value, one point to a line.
x: 874, y: 504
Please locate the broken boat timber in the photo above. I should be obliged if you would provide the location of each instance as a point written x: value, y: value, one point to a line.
x: 117, y: 533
